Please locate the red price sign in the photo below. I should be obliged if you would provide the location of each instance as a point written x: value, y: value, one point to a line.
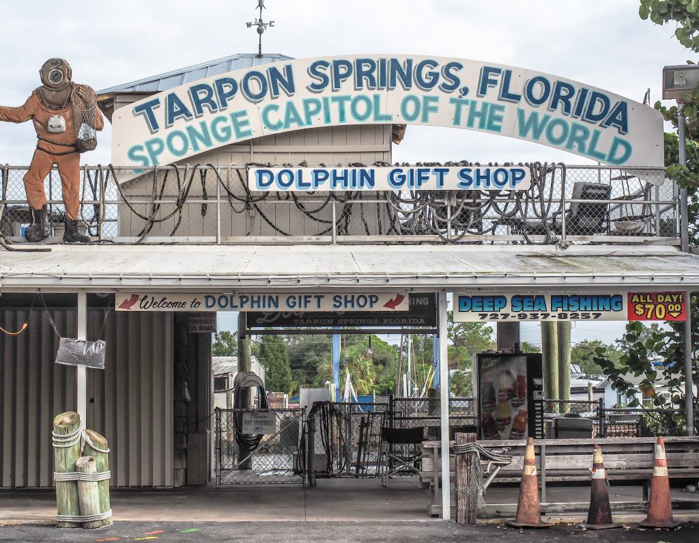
x: 657, y: 306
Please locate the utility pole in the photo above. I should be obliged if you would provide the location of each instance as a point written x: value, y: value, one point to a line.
x: 684, y: 233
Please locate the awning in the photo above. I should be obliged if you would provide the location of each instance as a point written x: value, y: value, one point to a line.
x: 229, y: 268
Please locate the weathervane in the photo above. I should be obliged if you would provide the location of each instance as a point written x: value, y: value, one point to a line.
x: 261, y: 25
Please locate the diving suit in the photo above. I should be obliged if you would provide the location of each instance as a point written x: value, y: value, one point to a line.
x: 52, y: 109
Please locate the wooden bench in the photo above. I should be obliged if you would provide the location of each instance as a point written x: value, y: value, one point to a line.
x: 570, y: 460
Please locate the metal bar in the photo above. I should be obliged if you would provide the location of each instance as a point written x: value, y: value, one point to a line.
x: 334, y: 228
x: 82, y: 369
x: 444, y: 401
x: 684, y: 209
x: 563, y: 211
x: 218, y: 211
x: 334, y: 332
x: 688, y: 368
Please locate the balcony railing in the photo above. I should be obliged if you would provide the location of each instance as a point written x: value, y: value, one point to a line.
x: 212, y: 204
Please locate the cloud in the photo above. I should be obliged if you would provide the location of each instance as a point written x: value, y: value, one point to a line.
x: 604, y: 44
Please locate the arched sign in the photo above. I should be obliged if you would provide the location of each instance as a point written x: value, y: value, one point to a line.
x: 376, y: 89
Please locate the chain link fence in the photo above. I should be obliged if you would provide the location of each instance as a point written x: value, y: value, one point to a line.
x: 258, y: 446
x: 644, y: 422
x: 347, y: 440
x: 207, y: 204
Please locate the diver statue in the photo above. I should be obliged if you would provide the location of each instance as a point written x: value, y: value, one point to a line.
x: 65, y: 117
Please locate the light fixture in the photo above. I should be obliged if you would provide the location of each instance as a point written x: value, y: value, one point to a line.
x: 679, y: 80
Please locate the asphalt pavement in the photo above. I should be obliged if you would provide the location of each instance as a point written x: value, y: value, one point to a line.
x: 339, y: 532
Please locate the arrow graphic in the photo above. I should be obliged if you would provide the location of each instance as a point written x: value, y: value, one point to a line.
x: 392, y: 304
x: 128, y: 304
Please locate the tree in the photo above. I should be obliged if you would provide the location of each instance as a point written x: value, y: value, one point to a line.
x: 306, y: 354
x: 225, y: 344
x: 273, y: 353
x: 644, y: 346
x: 467, y: 339
x: 582, y: 354
x: 527, y: 347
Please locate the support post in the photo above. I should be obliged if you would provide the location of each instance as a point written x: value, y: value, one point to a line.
x: 507, y: 336
x: 688, y: 368
x: 564, y: 330
x: 66, y: 442
x: 337, y: 349
x: 88, y: 495
x: 684, y: 234
x: 244, y: 364
x: 244, y: 357
x: 82, y: 369
x: 684, y: 205
x: 549, y: 349
x: 444, y: 405
x: 102, y: 465
x: 466, y: 512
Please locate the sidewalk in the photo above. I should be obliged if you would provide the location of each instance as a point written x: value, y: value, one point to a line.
x: 332, y: 500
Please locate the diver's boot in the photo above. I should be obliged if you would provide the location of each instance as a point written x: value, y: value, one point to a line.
x: 72, y: 235
x: 39, y: 229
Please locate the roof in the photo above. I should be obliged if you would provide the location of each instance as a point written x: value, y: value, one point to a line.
x: 175, y: 78
x: 224, y: 364
x: 227, y: 364
x: 427, y: 267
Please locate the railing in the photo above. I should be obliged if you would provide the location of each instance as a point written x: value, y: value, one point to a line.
x: 208, y: 204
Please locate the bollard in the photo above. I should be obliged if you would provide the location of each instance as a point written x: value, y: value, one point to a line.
x: 88, y: 494
x: 66, y: 451
x: 96, y: 445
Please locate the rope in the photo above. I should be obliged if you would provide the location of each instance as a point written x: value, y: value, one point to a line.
x: 65, y: 441
x: 475, y: 493
x: 482, y: 452
x: 78, y: 476
x: 84, y: 518
x: 449, y: 216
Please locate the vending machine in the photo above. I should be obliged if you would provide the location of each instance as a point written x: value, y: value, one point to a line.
x: 509, y: 395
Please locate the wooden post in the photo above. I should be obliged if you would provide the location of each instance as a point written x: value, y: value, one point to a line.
x: 88, y: 494
x: 549, y: 350
x: 101, y: 465
x: 64, y: 459
x: 564, y: 332
x: 466, y: 513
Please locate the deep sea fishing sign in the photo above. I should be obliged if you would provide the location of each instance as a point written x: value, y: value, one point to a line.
x: 616, y: 306
x: 375, y: 89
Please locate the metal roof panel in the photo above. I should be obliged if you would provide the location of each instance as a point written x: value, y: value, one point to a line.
x: 175, y: 78
x: 225, y: 268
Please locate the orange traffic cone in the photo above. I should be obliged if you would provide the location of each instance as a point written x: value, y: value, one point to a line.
x: 599, y: 517
x: 528, y: 511
x: 659, y: 507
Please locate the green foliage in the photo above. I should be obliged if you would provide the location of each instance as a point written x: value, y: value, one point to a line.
x: 467, y: 339
x: 685, y: 13
x: 583, y: 353
x: 273, y: 353
x: 461, y: 384
x: 225, y: 344
x: 527, y: 347
x: 654, y: 353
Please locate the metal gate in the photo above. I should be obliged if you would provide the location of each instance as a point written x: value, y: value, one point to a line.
x: 258, y: 446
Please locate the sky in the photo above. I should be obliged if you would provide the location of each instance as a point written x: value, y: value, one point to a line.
x: 599, y: 42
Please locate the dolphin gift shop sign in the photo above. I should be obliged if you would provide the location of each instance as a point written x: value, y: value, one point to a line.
x: 380, y: 89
